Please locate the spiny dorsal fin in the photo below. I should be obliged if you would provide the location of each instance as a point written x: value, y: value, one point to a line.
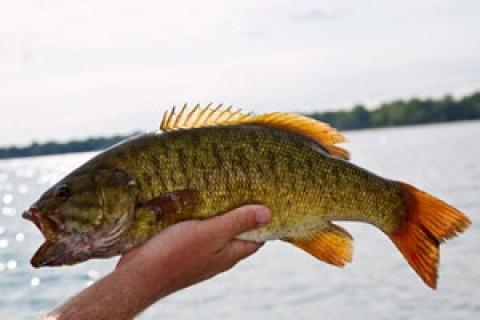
x: 321, y: 132
x: 202, y: 117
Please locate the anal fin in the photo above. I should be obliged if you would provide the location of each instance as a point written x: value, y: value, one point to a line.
x: 332, y: 245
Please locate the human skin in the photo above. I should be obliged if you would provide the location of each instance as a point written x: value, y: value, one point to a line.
x: 180, y: 256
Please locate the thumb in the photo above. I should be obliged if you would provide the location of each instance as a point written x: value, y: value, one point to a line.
x: 240, y: 220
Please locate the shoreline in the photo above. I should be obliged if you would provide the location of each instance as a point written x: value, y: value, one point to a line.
x: 401, y: 127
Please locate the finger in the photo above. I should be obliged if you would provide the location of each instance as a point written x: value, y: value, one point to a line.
x: 239, y: 220
x: 241, y: 249
x: 237, y: 250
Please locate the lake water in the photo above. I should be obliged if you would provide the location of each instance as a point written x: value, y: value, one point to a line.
x: 281, y: 282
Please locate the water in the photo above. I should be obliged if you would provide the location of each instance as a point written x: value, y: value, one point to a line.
x: 281, y: 282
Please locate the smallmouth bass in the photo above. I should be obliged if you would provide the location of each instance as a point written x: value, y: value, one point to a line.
x: 207, y: 161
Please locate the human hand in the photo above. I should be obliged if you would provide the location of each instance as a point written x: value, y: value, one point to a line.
x: 181, y: 255
x: 193, y: 251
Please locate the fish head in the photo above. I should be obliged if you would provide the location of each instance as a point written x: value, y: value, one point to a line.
x: 85, y: 215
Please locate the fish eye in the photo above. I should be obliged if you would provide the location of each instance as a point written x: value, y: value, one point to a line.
x: 62, y: 192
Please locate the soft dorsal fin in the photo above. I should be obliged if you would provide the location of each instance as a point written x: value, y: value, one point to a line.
x: 320, y: 132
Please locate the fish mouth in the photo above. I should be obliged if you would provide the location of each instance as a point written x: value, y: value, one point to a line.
x: 64, y: 251
x: 58, y: 248
x: 50, y: 253
x: 64, y: 248
x: 51, y: 226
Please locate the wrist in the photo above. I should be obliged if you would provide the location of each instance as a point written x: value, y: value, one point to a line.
x: 145, y: 280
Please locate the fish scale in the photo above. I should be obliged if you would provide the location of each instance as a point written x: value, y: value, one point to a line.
x: 292, y: 187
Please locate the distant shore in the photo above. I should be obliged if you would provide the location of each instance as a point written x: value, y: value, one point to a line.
x: 404, y: 113
x: 392, y: 114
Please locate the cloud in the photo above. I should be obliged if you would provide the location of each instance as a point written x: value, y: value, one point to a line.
x: 314, y: 14
x: 99, y: 67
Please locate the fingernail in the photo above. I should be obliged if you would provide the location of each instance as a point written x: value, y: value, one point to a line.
x: 263, y: 216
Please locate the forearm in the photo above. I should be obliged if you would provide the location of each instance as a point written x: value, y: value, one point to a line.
x: 120, y: 295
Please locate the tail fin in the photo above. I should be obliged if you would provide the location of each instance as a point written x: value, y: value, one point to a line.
x: 429, y: 222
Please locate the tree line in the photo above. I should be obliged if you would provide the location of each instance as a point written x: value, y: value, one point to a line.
x: 404, y: 112
x: 49, y: 148
x: 395, y: 113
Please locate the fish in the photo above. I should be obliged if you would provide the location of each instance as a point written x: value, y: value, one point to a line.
x: 205, y: 161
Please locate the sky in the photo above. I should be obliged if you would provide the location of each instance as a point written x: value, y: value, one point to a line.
x: 73, y: 69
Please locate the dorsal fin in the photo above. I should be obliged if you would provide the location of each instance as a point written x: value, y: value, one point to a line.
x: 320, y: 132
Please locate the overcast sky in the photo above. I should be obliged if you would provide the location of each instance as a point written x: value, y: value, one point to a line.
x: 71, y: 69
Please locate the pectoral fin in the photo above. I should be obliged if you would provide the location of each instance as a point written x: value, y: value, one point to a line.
x: 175, y: 206
x: 332, y: 245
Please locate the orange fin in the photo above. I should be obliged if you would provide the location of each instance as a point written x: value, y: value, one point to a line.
x: 332, y: 245
x: 318, y: 131
x: 201, y: 117
x: 429, y: 222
